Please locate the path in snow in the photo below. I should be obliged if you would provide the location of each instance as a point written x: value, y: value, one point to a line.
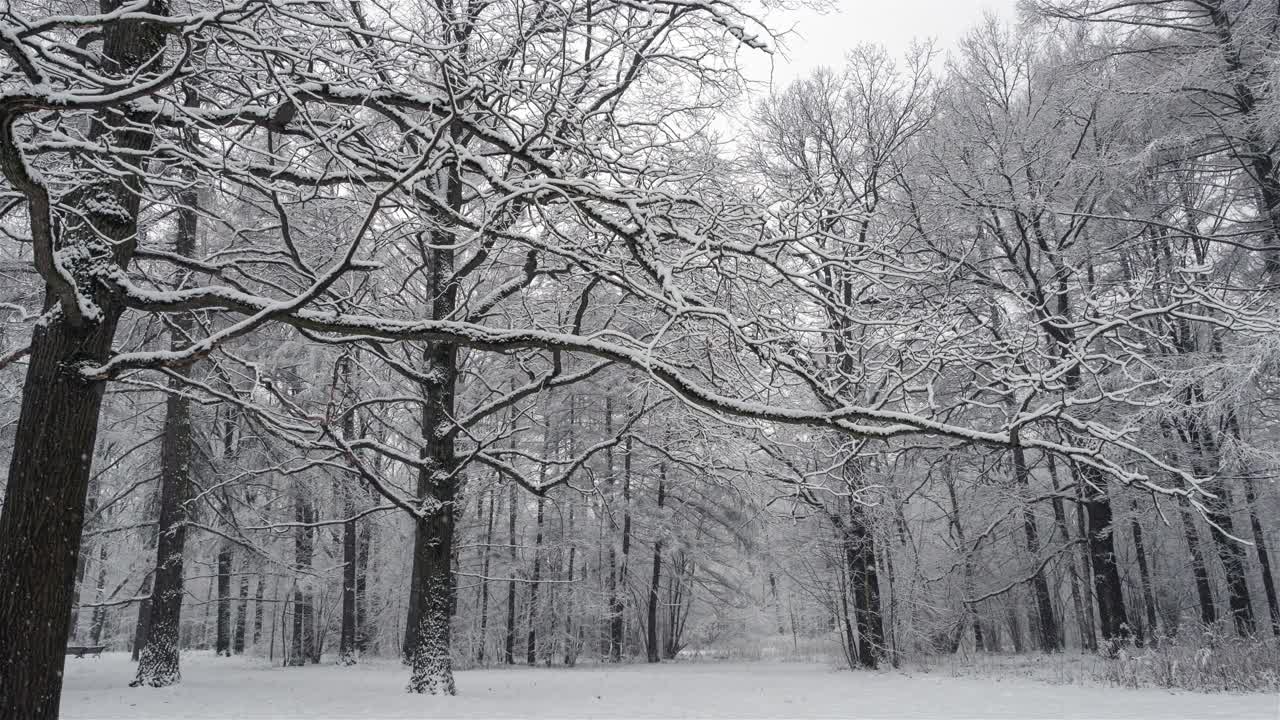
x: 245, y: 688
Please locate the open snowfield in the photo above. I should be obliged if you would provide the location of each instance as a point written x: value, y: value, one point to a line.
x: 242, y: 688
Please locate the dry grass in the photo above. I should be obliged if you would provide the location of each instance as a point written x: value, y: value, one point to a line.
x: 1207, y: 660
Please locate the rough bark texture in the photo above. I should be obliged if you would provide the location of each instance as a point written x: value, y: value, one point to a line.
x: 158, y: 662
x: 1107, y: 587
x: 439, y: 483
x: 43, y: 515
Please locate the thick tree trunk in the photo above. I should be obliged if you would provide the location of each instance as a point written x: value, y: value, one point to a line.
x: 859, y: 548
x: 223, y: 644
x: 429, y: 659
x: 1102, y: 557
x: 53, y: 445
x: 439, y: 484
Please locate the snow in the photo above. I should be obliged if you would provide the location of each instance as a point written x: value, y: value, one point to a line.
x: 249, y: 688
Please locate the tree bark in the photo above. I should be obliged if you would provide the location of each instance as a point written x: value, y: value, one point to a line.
x: 570, y: 641
x: 158, y: 662
x: 242, y: 612
x: 43, y: 513
x: 531, y: 647
x: 1045, y: 621
x: 655, y: 581
x: 257, y: 609
x: 615, y: 607
x: 1102, y: 557
x: 1144, y: 577
x: 1264, y: 557
x: 347, y: 635
x: 509, y: 645
x: 1083, y: 611
x: 99, y: 617
x: 223, y: 645
x: 486, y: 557
x: 439, y: 483
x: 303, y: 640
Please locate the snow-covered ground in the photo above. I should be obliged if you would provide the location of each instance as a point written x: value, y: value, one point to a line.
x: 244, y: 688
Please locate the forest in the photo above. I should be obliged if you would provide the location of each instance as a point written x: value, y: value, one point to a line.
x: 472, y: 333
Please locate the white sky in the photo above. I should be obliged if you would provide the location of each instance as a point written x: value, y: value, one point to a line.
x: 822, y: 38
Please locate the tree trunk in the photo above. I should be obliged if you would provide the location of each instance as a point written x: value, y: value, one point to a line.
x: 223, y: 645
x: 859, y: 549
x: 1144, y: 576
x: 570, y: 642
x: 439, y: 484
x: 303, y: 641
x: 53, y: 445
x: 1102, y: 556
x: 484, y: 579
x: 158, y: 662
x: 257, y: 610
x: 242, y: 613
x: 1199, y: 571
x: 1045, y: 621
x: 347, y: 635
x: 655, y: 581
x: 970, y: 609
x: 1084, y: 619
x: 365, y: 538
x: 615, y: 608
x: 1264, y: 558
x: 531, y: 648
x: 100, y: 594
x: 509, y: 645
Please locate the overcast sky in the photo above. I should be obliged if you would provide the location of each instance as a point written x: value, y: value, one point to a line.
x: 822, y: 38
